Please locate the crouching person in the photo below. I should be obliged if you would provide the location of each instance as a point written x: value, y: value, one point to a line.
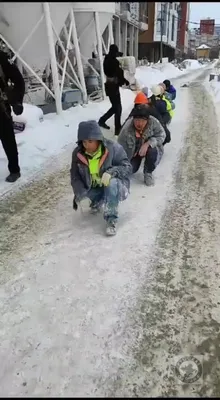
x: 100, y: 172
x: 142, y: 138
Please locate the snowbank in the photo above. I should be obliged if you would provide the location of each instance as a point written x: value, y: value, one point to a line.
x: 147, y: 76
x: 191, y: 64
x: 42, y: 140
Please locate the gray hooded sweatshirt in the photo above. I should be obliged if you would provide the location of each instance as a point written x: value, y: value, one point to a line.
x: 154, y: 134
x: 114, y: 160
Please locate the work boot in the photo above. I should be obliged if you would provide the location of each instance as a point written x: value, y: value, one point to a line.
x: 148, y: 179
x: 111, y: 228
x: 103, y: 125
x: 13, y: 177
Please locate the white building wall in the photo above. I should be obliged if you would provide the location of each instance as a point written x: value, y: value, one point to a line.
x: 170, y: 23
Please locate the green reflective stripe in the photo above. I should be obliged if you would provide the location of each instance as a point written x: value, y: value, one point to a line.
x: 93, y: 161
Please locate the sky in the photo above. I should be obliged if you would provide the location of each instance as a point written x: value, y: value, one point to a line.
x: 202, y: 11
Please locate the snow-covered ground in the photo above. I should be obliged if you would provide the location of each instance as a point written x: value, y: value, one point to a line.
x: 42, y: 140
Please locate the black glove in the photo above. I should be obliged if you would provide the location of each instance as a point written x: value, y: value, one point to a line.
x: 75, y: 205
x: 17, y: 109
x: 127, y: 83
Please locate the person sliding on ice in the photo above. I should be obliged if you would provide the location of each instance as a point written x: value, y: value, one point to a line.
x: 100, y: 172
x: 142, y: 137
x: 162, y: 104
x: 10, y: 96
x: 170, y: 89
x: 114, y: 79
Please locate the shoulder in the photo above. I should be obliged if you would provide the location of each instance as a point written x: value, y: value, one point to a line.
x: 75, y: 151
x: 154, y: 123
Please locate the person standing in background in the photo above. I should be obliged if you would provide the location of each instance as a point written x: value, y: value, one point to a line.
x: 10, y: 96
x: 114, y: 79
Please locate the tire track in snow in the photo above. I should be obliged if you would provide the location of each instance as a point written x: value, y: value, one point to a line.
x: 178, y: 313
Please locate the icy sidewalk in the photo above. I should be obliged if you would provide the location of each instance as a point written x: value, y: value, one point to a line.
x: 37, y: 144
x: 64, y: 310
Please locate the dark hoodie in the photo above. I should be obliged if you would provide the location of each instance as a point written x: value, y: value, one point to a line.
x: 112, y: 67
x: 113, y: 160
x: 10, y: 95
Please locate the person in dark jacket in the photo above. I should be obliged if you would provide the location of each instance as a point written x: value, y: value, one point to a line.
x: 10, y: 96
x: 100, y: 172
x: 114, y: 79
x: 156, y: 108
x: 142, y: 137
x: 170, y: 89
x: 159, y: 103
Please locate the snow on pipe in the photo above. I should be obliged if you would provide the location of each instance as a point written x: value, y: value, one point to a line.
x: 53, y: 60
x: 99, y: 45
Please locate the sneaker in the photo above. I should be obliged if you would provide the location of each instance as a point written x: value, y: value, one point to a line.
x: 103, y: 125
x: 111, y: 228
x: 148, y: 179
x: 11, y: 178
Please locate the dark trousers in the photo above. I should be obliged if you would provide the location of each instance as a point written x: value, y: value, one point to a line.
x: 116, y: 109
x: 150, y: 161
x: 7, y: 137
x: 168, y: 135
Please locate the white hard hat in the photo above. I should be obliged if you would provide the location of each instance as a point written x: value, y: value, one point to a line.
x: 156, y: 90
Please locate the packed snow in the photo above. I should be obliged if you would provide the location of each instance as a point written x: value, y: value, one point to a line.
x: 42, y: 140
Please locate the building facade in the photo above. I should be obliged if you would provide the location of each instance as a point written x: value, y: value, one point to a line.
x: 130, y: 19
x: 207, y: 26
x: 182, y: 29
x: 162, y: 27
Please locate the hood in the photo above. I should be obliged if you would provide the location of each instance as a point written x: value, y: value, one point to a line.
x: 113, y: 51
x: 141, y: 111
x: 89, y: 130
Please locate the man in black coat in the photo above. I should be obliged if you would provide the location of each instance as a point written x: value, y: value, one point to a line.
x: 114, y: 79
x: 10, y: 96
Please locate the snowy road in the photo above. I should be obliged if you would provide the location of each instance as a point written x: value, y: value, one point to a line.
x: 84, y: 315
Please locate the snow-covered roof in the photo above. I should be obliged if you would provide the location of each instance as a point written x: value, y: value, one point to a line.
x: 203, y: 46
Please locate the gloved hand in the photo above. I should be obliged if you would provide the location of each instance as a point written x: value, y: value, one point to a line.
x: 126, y: 82
x: 75, y: 205
x: 17, y: 109
x: 106, y: 179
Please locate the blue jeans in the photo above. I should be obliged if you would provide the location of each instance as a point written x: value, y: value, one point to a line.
x: 111, y: 196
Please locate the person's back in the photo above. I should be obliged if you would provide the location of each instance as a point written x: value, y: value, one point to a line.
x: 170, y: 89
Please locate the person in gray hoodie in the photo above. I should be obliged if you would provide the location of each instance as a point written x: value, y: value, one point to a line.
x: 100, y: 172
x: 142, y: 137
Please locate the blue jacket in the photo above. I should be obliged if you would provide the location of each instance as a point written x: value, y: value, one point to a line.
x: 172, y: 92
x: 114, y: 161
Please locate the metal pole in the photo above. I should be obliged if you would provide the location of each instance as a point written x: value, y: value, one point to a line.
x: 54, y: 69
x: 161, y: 34
x: 99, y: 44
x: 78, y: 57
x: 131, y: 40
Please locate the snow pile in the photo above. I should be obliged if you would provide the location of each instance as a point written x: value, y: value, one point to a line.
x: 213, y: 86
x: 191, y: 64
x: 148, y: 76
x: 31, y: 116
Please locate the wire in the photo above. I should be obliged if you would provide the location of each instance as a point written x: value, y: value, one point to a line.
x: 188, y: 21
